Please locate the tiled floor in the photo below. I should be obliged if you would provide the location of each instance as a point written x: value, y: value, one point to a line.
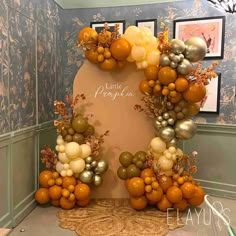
x: 198, y: 221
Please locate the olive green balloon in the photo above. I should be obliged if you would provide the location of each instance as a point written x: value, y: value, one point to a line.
x: 64, y: 133
x: 80, y: 124
x: 68, y: 138
x: 122, y: 173
x: 89, y: 131
x: 125, y: 159
x: 70, y: 131
x: 141, y: 155
x: 133, y: 171
x: 134, y: 160
x: 78, y: 138
x: 140, y: 164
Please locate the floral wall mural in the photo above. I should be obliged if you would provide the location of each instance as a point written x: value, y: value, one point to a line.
x: 75, y: 20
x: 30, y: 62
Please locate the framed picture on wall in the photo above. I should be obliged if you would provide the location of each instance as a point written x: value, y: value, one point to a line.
x: 210, y: 29
x: 211, y: 102
x: 99, y: 26
x: 150, y: 23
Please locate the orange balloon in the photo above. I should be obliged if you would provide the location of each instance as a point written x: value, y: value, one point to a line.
x: 136, y: 187
x: 91, y: 55
x: 164, y: 204
x: 82, y: 191
x: 88, y: 36
x: 155, y: 195
x: 188, y: 189
x: 108, y: 64
x: 138, y: 203
x: 147, y: 172
x: 193, y: 109
x: 55, y: 192
x: 83, y: 203
x: 121, y: 64
x: 198, y: 197
x: 167, y: 75
x: 175, y: 99
x: 195, y: 92
x: 68, y: 180
x: 120, y: 49
x: 174, y: 194
x: 55, y: 203
x: 66, y: 203
x: 151, y: 72
x: 181, y: 206
x: 144, y: 87
x: 181, y: 84
x: 165, y: 182
x: 42, y: 196
x: 44, y: 176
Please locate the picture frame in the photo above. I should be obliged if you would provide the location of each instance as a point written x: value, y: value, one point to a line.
x: 149, y: 23
x: 99, y: 26
x: 211, y: 103
x: 210, y: 29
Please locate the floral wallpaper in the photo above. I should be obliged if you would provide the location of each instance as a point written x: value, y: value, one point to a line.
x: 30, y: 56
x: 75, y: 20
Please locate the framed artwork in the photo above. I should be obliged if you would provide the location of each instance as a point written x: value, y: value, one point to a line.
x: 210, y: 29
x: 211, y: 103
x: 99, y: 26
x: 150, y: 23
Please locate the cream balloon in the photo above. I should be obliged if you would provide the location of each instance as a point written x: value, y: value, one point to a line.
x: 131, y: 34
x: 158, y: 145
x: 144, y: 64
x: 60, y: 140
x: 59, y: 167
x: 85, y: 150
x: 138, y: 53
x: 72, y: 150
x: 153, y: 57
x: 77, y: 165
x: 61, y: 148
x: 69, y: 172
x: 63, y: 173
x: 63, y: 158
x: 165, y: 164
x: 147, y: 31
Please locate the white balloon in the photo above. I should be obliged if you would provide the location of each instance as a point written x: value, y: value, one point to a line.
x: 138, y: 53
x: 61, y: 148
x: 69, y: 172
x: 158, y: 145
x: 85, y: 150
x: 59, y: 167
x: 63, y: 158
x: 66, y: 166
x: 153, y: 57
x: 77, y: 165
x: 60, y: 140
x: 63, y: 173
x: 165, y: 164
x: 72, y: 150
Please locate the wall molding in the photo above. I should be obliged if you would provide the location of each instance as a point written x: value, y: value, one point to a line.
x: 216, y: 128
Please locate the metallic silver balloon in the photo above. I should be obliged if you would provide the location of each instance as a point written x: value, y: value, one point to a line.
x: 181, y: 57
x: 157, y: 124
x: 173, y: 65
x: 171, y: 56
x: 86, y: 177
x: 167, y: 133
x: 101, y: 167
x: 185, y: 129
x: 164, y: 123
x: 171, y: 121
x: 176, y: 59
x: 166, y: 116
x: 172, y: 143
x: 88, y: 167
x: 184, y: 67
x: 160, y: 118
x: 164, y: 60
x: 94, y: 164
x: 196, y: 49
x: 97, y: 180
x: 177, y: 46
x: 88, y: 160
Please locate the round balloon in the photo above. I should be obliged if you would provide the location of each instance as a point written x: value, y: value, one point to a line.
x: 102, y: 166
x: 167, y: 133
x: 86, y: 177
x: 72, y: 150
x: 77, y: 165
x: 185, y: 129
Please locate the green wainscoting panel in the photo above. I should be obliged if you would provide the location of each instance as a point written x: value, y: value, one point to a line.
x: 5, y: 193
x: 216, y: 147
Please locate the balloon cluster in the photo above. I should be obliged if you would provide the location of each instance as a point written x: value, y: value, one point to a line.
x: 76, y: 166
x: 107, y: 49
x: 131, y: 165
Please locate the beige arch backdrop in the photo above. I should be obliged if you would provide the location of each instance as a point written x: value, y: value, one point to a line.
x: 111, y: 97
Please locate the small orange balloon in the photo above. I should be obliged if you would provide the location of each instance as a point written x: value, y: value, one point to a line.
x: 195, y: 92
x: 136, y: 187
x: 164, y: 204
x: 88, y: 36
x: 55, y: 192
x: 68, y: 180
x: 44, y: 177
x: 181, y: 206
x: 108, y: 64
x: 144, y: 87
x: 181, y: 84
x: 82, y: 191
x: 167, y: 75
x: 138, y: 203
x: 198, y: 197
x: 155, y: 195
x: 147, y: 172
x: 42, y: 196
x: 91, y: 55
x: 165, y: 182
x: 174, y: 194
x: 120, y: 49
x: 66, y: 203
x: 188, y: 189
